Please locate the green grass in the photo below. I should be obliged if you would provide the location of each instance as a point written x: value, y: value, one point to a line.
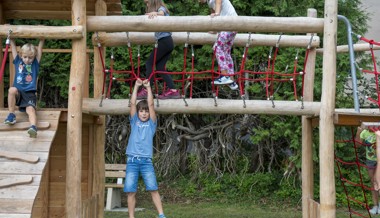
x: 218, y: 210
x: 210, y: 209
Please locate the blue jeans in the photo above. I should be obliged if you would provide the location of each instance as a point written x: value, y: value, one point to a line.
x: 135, y: 167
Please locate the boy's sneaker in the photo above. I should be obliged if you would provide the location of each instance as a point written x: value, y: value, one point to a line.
x: 142, y: 94
x: 161, y: 216
x: 374, y: 210
x: 223, y: 80
x: 32, y: 131
x: 233, y: 86
x: 169, y: 94
x: 11, y: 119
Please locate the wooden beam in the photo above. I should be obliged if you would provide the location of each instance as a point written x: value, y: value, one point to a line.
x: 99, y: 136
x: 73, y: 196
x: 241, y: 39
x: 47, y: 32
x: 204, y: 24
x: 357, y: 47
x: 326, y: 123
x: 205, y: 106
x: 307, y: 131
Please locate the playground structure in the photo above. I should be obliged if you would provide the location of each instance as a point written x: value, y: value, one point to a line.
x: 70, y: 179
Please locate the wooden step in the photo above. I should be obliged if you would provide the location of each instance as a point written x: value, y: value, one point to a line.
x: 23, y: 126
x: 19, y: 156
x: 15, y: 180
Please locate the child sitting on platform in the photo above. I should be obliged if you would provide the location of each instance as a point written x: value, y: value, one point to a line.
x: 23, y: 91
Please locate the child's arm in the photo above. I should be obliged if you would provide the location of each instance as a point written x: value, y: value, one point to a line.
x: 357, y: 136
x: 14, y: 49
x: 138, y: 83
x: 218, y: 8
x: 152, y: 112
x: 39, y: 49
x: 377, y: 171
x: 153, y: 14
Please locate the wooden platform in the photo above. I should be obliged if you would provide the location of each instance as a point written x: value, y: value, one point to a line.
x: 22, y: 161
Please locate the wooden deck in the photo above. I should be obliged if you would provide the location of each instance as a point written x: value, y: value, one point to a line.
x: 21, y: 171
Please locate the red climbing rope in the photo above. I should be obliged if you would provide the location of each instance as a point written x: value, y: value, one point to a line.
x: 374, y: 71
x: 5, y: 56
x: 187, y: 77
x: 348, y: 184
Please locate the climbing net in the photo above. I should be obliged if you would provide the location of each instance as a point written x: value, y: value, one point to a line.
x: 374, y: 72
x: 270, y: 76
x: 351, y: 175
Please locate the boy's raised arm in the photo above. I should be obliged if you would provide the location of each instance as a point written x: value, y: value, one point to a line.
x: 138, y: 83
x: 13, y: 48
x: 39, y: 49
x: 150, y: 100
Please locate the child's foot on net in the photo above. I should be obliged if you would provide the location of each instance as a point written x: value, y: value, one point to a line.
x: 32, y: 131
x: 11, y: 119
x: 170, y: 94
x: 223, y: 80
x: 374, y: 210
x: 142, y: 94
x: 233, y: 86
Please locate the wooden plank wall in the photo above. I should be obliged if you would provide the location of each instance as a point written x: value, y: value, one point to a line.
x: 52, y: 190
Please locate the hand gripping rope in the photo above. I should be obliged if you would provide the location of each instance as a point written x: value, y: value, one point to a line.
x: 5, y: 56
x: 352, y: 183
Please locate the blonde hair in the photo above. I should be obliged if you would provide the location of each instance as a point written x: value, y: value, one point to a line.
x: 29, y: 48
x: 154, y: 5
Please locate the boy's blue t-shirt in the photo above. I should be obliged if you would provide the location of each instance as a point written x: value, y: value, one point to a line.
x: 26, y: 75
x: 140, y: 141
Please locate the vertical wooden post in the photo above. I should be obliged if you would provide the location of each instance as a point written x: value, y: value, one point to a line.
x: 307, y: 132
x: 326, y: 124
x: 1, y: 58
x: 86, y: 82
x: 99, y: 130
x: 74, y: 120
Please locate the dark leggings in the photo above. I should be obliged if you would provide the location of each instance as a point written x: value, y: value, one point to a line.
x: 164, y: 49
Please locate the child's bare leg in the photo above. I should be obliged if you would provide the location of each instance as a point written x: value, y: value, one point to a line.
x: 375, y: 194
x: 131, y: 204
x: 377, y: 171
x: 157, y: 201
x: 12, y: 93
x: 32, y: 115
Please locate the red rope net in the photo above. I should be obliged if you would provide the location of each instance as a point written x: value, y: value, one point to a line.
x: 354, y: 182
x: 188, y: 76
x: 374, y: 71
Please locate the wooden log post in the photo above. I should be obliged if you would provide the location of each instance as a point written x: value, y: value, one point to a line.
x: 307, y: 132
x: 1, y: 58
x: 74, y: 120
x: 241, y: 39
x: 326, y: 122
x: 99, y: 130
x: 47, y: 32
x: 204, y: 24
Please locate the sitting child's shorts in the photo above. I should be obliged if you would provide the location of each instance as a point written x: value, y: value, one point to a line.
x: 26, y: 99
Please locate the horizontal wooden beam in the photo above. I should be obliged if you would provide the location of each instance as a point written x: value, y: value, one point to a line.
x: 204, y: 24
x: 357, y: 47
x: 241, y: 39
x: 205, y: 106
x: 47, y: 32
